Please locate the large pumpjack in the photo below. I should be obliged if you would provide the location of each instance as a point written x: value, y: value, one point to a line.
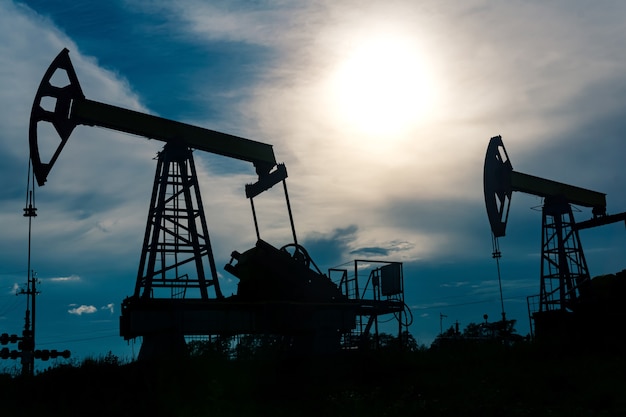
x: 281, y: 291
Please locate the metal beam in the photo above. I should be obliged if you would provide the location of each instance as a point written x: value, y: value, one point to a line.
x: 93, y: 113
x: 547, y: 188
x: 600, y: 221
x: 203, y: 317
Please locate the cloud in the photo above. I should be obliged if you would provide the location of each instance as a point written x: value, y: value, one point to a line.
x: 371, y: 251
x: 396, y: 185
x: 110, y: 307
x: 266, y: 23
x: 82, y: 309
x: 456, y: 284
x: 70, y: 278
x: 551, y: 82
x: 69, y: 210
x: 333, y: 246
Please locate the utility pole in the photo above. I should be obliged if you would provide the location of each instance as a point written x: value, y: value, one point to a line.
x: 26, y: 343
x: 28, y: 334
x: 441, y: 317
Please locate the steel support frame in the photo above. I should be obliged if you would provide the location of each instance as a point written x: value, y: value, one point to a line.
x: 564, y: 271
x: 176, y: 231
x: 369, y: 308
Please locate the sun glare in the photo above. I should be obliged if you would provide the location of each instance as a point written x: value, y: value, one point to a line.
x: 383, y: 87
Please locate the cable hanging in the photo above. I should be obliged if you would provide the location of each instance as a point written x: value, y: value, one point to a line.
x: 496, y: 254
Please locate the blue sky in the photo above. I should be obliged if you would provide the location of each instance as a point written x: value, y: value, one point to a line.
x: 384, y: 166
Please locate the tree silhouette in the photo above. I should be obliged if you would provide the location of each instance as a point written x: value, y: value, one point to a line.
x: 501, y: 332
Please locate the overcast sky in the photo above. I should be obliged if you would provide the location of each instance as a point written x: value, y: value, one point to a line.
x: 381, y: 111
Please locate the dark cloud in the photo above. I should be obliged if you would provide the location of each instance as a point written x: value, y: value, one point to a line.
x: 589, y: 150
x: 391, y: 248
x: 370, y: 251
x: 330, y: 249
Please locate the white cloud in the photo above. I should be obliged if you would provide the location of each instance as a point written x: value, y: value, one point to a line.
x: 70, y: 278
x: 82, y: 309
x: 110, y: 307
x: 69, y: 210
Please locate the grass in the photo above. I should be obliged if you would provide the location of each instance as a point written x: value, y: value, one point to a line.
x: 482, y: 381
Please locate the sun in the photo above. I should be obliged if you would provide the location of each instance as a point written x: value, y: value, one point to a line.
x: 383, y: 87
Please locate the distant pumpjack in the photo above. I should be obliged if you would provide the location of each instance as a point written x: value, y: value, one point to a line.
x: 565, y: 279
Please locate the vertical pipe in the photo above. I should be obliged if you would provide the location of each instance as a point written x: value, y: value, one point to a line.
x: 356, y: 279
x: 543, y: 296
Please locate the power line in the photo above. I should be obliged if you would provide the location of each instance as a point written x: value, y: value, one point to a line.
x: 492, y: 300
x: 84, y: 339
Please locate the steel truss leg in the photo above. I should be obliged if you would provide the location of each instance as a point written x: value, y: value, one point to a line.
x: 176, y: 247
x: 564, y: 272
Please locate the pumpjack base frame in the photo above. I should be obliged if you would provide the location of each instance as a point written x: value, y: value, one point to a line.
x: 142, y: 317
